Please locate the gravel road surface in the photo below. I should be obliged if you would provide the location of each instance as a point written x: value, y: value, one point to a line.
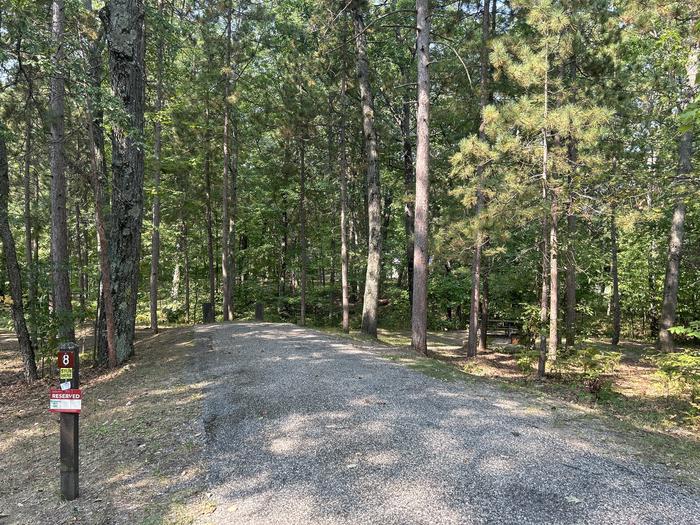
x: 304, y: 427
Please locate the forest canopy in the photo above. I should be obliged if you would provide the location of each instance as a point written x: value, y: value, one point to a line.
x: 159, y: 156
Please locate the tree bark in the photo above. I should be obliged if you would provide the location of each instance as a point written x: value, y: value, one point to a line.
x: 98, y: 183
x: 544, y: 299
x: 409, y: 181
x: 210, y: 222
x: 59, y: 224
x: 225, y: 248
x: 615, y: 280
x: 553, y: 279
x: 675, y: 244
x: 124, y: 21
x: 484, y: 322
x: 374, y: 212
x: 14, y: 275
x: 233, y: 243
x: 472, y: 336
x: 31, y: 270
x: 82, y: 281
x: 670, y: 299
x: 344, y: 259
x: 186, y: 254
x: 302, y: 229
x: 157, y: 146
x: 420, y: 253
x: 570, y: 327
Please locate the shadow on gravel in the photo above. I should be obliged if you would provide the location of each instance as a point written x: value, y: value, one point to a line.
x: 305, y: 427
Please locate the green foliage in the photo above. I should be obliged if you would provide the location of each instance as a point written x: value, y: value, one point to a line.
x: 692, y: 331
x: 591, y: 366
x: 680, y: 371
x: 527, y: 359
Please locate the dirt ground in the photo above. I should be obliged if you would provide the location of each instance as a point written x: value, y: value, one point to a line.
x: 141, y: 439
x: 142, y: 436
x: 638, y: 395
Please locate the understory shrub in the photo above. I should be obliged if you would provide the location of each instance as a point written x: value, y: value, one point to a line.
x: 592, y: 366
x: 680, y: 372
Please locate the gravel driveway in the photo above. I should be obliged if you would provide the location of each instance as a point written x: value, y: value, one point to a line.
x: 304, y: 427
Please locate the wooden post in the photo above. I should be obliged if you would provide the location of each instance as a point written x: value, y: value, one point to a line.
x: 69, y: 434
x: 259, y: 312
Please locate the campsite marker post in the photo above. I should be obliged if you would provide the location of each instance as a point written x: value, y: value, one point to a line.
x: 67, y: 400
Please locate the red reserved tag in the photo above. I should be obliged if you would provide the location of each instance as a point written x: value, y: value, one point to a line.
x: 67, y: 401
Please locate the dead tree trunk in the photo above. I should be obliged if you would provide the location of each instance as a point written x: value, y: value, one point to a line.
x: 374, y: 212
x: 26, y: 347
x: 419, y: 319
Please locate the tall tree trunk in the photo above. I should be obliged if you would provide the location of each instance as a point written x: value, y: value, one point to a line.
x: 81, y: 247
x: 409, y: 181
x: 157, y: 146
x: 31, y: 270
x: 484, y: 322
x: 374, y: 212
x: 233, y: 243
x: 98, y: 183
x: 675, y: 245
x: 344, y: 259
x: 570, y: 327
x: 210, y: 223
x: 175, y: 283
x: 615, y: 281
x: 225, y: 247
x: 186, y: 255
x: 472, y: 339
x: 302, y: 230
x: 553, y: 279
x: 670, y: 299
x: 59, y: 224
x: 125, y: 39
x: 544, y: 299
x: 14, y: 275
x: 420, y: 254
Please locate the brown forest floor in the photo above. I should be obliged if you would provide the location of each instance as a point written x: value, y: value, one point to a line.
x: 141, y: 439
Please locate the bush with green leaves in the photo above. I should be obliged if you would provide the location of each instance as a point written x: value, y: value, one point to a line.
x: 526, y: 360
x: 592, y: 365
x: 691, y: 331
x: 680, y: 371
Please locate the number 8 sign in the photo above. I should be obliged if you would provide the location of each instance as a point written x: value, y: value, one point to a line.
x: 65, y: 360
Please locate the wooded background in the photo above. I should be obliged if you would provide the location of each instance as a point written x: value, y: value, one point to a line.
x: 178, y: 152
